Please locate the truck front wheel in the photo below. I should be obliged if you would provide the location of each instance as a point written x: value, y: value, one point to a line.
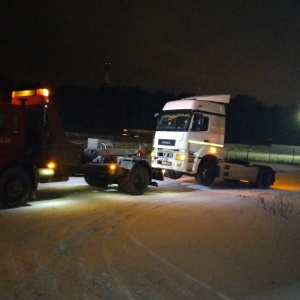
x: 206, y: 173
x: 135, y: 182
x: 15, y: 186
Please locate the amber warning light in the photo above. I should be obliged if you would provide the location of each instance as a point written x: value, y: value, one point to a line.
x: 39, y: 96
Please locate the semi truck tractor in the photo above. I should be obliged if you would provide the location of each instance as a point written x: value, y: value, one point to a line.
x: 34, y: 149
x: 189, y: 140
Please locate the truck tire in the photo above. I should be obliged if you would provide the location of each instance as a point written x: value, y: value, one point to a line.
x: 135, y: 182
x: 265, y: 178
x: 123, y: 184
x: 15, y: 186
x: 206, y: 173
x: 99, y: 182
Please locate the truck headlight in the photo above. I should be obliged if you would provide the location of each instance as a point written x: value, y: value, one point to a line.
x: 180, y: 157
x: 153, y: 154
x: 45, y: 173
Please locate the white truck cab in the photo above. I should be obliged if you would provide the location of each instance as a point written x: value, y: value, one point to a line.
x: 189, y: 139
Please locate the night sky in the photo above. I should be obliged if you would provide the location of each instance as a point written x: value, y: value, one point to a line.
x: 205, y: 47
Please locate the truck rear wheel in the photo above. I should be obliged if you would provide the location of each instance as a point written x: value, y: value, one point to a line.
x: 135, y: 182
x: 206, y: 173
x: 15, y: 186
x: 265, y: 178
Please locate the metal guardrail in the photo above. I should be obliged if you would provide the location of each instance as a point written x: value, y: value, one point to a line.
x: 261, y: 154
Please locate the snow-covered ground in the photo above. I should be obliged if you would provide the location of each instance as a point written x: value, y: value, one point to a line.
x: 178, y: 241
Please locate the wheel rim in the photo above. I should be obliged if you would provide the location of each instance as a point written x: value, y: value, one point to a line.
x: 139, y: 181
x: 14, y: 188
x: 207, y: 174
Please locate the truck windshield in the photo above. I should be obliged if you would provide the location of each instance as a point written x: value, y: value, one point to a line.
x: 177, y: 120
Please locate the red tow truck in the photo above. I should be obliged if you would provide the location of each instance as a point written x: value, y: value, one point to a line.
x: 34, y: 148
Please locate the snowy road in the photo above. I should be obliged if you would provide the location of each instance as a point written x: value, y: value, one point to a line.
x: 178, y: 241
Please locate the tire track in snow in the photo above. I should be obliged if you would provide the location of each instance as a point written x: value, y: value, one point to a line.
x: 142, y: 273
x: 183, y: 275
x: 179, y: 272
x: 65, y: 264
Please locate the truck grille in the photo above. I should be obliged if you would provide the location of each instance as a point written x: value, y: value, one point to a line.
x: 163, y: 158
x: 165, y: 154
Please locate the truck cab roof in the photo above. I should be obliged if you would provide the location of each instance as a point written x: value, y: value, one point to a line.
x: 211, y: 104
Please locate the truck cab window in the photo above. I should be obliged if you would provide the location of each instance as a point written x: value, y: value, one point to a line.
x: 174, y: 120
x: 3, y: 123
x: 200, y: 123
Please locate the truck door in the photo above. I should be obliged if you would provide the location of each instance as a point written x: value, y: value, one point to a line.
x: 11, y: 135
x: 35, y: 131
x: 198, y: 131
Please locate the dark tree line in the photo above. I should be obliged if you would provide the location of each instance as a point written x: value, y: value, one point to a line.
x: 109, y: 109
x: 250, y: 122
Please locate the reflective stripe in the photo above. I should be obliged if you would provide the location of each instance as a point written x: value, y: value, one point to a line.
x: 206, y: 143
